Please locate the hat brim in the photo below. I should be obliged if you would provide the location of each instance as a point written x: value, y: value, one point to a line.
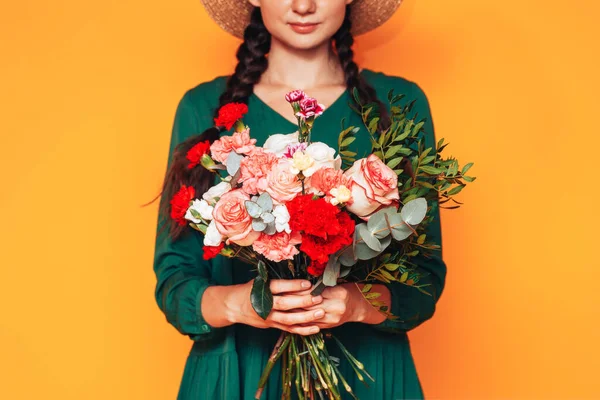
x: 234, y: 15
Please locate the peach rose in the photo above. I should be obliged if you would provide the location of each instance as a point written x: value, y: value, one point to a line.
x: 278, y: 247
x: 374, y: 185
x: 240, y: 142
x: 254, y: 170
x: 232, y: 220
x: 283, y: 185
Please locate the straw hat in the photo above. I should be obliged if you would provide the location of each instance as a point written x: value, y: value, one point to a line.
x: 234, y: 15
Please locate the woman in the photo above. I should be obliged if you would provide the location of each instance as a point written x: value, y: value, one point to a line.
x: 308, y: 43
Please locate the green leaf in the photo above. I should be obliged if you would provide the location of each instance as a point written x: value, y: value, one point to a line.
x: 456, y: 190
x: 468, y: 178
x: 366, y: 288
x: 261, y: 297
x: 195, y: 214
x: 373, y: 295
x: 404, y: 277
x: 262, y: 270
x: 394, y: 163
x: 348, y: 141
x: 466, y: 168
x: 392, y: 150
x: 421, y: 239
x: 348, y: 153
x: 391, y: 267
x: 430, y: 170
x: 387, y: 274
x: 427, y: 160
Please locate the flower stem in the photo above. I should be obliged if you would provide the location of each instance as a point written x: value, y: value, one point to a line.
x: 280, y: 347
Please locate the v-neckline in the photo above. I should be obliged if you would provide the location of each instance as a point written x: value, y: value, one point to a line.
x: 345, y: 94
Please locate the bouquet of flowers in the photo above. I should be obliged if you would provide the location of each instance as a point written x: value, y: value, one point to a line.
x: 295, y: 208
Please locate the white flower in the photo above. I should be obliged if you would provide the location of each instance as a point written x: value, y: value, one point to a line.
x: 282, y: 217
x: 216, y: 191
x: 201, y: 207
x: 212, y: 237
x: 279, y: 142
x: 340, y: 195
x: 301, y: 161
x: 323, y: 156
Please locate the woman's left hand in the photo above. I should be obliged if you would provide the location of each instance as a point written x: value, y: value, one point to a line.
x: 345, y: 303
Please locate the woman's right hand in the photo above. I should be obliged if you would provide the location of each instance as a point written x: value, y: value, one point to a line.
x: 290, y: 296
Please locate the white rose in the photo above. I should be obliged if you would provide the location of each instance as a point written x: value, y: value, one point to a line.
x: 212, y: 237
x: 279, y: 142
x: 202, y: 208
x: 282, y: 217
x: 323, y: 156
x: 216, y: 191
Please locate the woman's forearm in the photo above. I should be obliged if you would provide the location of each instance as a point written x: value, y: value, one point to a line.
x: 221, y: 305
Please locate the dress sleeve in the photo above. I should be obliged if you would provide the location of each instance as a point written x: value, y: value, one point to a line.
x: 182, y: 273
x: 411, y: 306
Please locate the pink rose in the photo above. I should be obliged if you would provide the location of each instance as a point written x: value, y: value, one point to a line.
x: 254, y: 170
x: 232, y: 220
x: 325, y: 179
x: 309, y: 107
x: 240, y: 142
x: 295, y: 96
x: 283, y: 185
x: 374, y: 185
x: 278, y: 247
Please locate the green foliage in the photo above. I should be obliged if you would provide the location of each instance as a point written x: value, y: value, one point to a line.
x: 261, y: 297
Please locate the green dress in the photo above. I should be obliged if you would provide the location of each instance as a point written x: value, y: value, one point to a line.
x: 226, y: 363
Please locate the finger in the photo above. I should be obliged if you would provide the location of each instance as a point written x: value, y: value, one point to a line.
x: 289, y: 285
x: 295, y: 318
x: 290, y: 302
x: 298, y: 329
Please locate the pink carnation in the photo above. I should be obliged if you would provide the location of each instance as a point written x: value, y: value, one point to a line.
x: 309, y: 107
x: 278, y: 247
x: 254, y: 170
x: 240, y: 142
x: 294, y: 147
x: 295, y: 96
x: 325, y: 179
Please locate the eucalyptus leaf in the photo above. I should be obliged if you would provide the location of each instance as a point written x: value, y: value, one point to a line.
x: 378, y: 224
x: 270, y: 229
x: 364, y: 252
x: 267, y: 217
x: 332, y: 271
x: 254, y: 210
x: 265, y: 202
x: 345, y: 272
x: 368, y: 237
x: 233, y: 162
x: 414, y: 211
x: 261, y: 297
x: 258, y: 225
x: 347, y: 257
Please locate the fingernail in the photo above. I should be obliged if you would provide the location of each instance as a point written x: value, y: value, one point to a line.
x: 305, y: 284
x: 314, y: 329
x: 319, y: 313
x: 316, y: 299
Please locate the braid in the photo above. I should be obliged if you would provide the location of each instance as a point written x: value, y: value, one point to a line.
x: 343, y: 43
x: 252, y: 62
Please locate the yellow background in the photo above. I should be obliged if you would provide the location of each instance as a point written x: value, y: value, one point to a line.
x: 88, y: 92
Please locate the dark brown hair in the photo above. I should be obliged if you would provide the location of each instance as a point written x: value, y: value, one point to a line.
x: 252, y: 62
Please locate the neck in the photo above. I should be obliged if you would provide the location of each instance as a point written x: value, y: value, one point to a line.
x: 303, y: 69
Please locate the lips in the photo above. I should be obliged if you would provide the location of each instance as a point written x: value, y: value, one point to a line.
x: 304, y: 27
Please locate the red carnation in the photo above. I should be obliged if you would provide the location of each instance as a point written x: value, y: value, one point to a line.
x: 194, y: 155
x: 230, y: 113
x: 316, y: 268
x: 325, y: 228
x: 209, y: 252
x: 181, y: 202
